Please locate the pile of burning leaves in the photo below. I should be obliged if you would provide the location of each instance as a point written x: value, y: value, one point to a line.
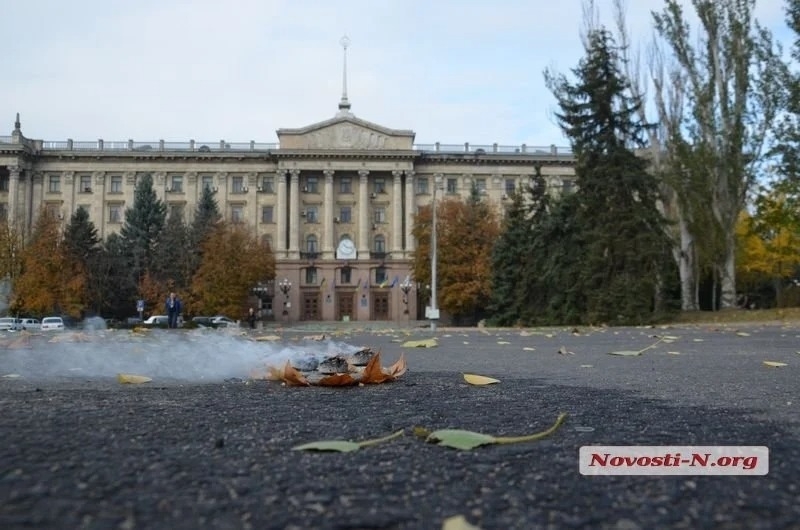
x: 360, y: 368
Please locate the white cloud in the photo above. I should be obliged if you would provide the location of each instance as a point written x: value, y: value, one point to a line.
x: 451, y: 71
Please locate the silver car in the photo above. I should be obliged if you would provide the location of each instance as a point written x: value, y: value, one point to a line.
x: 9, y: 324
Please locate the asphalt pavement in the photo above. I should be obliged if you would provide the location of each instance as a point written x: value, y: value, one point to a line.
x: 79, y: 450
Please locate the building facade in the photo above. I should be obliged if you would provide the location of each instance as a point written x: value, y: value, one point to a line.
x: 335, y: 200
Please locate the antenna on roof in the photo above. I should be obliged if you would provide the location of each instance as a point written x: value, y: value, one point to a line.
x: 344, y: 104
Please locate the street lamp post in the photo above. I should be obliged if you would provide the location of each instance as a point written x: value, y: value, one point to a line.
x: 405, y: 287
x: 433, y: 313
x: 285, y: 286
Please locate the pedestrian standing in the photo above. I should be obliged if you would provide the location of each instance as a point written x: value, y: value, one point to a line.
x: 173, y: 306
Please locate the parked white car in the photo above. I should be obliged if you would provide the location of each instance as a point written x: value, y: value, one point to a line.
x: 221, y: 321
x: 52, y: 324
x: 30, y: 324
x: 9, y: 324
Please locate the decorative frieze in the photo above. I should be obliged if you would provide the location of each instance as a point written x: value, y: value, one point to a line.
x: 160, y: 178
x: 130, y: 178
x: 99, y: 177
x: 191, y: 177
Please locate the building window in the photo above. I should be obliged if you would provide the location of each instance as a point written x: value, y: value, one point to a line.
x: 380, y: 214
x: 266, y: 214
x: 379, y: 185
x: 346, y: 275
x: 176, y: 210
x: 266, y: 240
x: 268, y: 185
x: 311, y: 243
x: 379, y: 244
x: 422, y: 186
x: 3, y: 211
x: 114, y: 213
x: 345, y: 214
x: 311, y: 275
x: 116, y: 184
x: 568, y: 186
x: 208, y: 182
x: 54, y: 184
x: 380, y: 275
x: 53, y: 211
x: 312, y: 215
x: 86, y: 184
x: 312, y: 185
x: 511, y: 186
x: 177, y: 184
x: 237, y: 185
x: 4, y: 182
x: 346, y: 185
x: 480, y: 185
x: 452, y: 186
x: 237, y: 213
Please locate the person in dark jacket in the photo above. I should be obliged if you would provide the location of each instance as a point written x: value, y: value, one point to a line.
x: 251, y: 317
x: 173, y: 307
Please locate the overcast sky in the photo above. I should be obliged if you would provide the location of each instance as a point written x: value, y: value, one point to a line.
x: 452, y: 71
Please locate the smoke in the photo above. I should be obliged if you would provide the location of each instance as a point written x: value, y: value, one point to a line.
x: 201, y: 355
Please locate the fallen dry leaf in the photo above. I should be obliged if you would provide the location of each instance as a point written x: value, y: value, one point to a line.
x: 292, y: 377
x: 774, y: 364
x: 398, y: 368
x: 563, y: 351
x: 503, y: 342
x: 132, y: 379
x: 480, y: 380
x: 425, y: 343
x: 267, y: 338
x: 458, y: 522
x: 527, y: 348
x: 337, y: 380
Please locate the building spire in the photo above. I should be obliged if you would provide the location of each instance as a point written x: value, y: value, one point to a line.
x: 344, y: 104
x: 17, y: 125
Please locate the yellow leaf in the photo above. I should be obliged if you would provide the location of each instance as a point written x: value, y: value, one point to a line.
x: 774, y: 364
x: 743, y: 334
x: 502, y: 342
x: 527, y: 348
x: 131, y: 379
x: 474, y: 379
x: 425, y: 343
x: 674, y: 352
x: 458, y: 522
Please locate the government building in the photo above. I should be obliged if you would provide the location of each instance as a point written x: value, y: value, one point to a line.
x: 335, y: 200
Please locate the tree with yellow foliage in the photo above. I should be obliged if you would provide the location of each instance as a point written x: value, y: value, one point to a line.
x: 234, y: 261
x: 466, y: 233
x: 51, y: 281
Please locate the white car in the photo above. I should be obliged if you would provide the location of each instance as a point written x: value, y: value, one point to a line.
x: 9, y: 324
x: 221, y: 321
x: 156, y: 320
x: 52, y: 324
x: 29, y: 324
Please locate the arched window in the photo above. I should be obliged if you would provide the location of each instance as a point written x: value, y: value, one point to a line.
x: 379, y: 244
x: 311, y: 243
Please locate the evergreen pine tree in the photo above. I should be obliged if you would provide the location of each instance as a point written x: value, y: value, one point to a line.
x: 144, y: 222
x: 171, y: 260
x: 82, y: 245
x: 622, y: 265
x: 206, y: 218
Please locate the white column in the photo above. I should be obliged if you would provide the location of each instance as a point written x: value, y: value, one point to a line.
x: 397, y: 215
x: 294, y: 215
x: 280, y: 214
x: 410, y: 211
x: 13, y: 191
x: 363, y: 215
x: 328, y: 214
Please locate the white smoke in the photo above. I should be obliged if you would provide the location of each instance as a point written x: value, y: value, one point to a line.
x: 201, y: 355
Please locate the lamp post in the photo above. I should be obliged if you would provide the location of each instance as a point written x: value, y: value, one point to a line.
x: 285, y: 286
x: 433, y: 313
x: 405, y: 287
